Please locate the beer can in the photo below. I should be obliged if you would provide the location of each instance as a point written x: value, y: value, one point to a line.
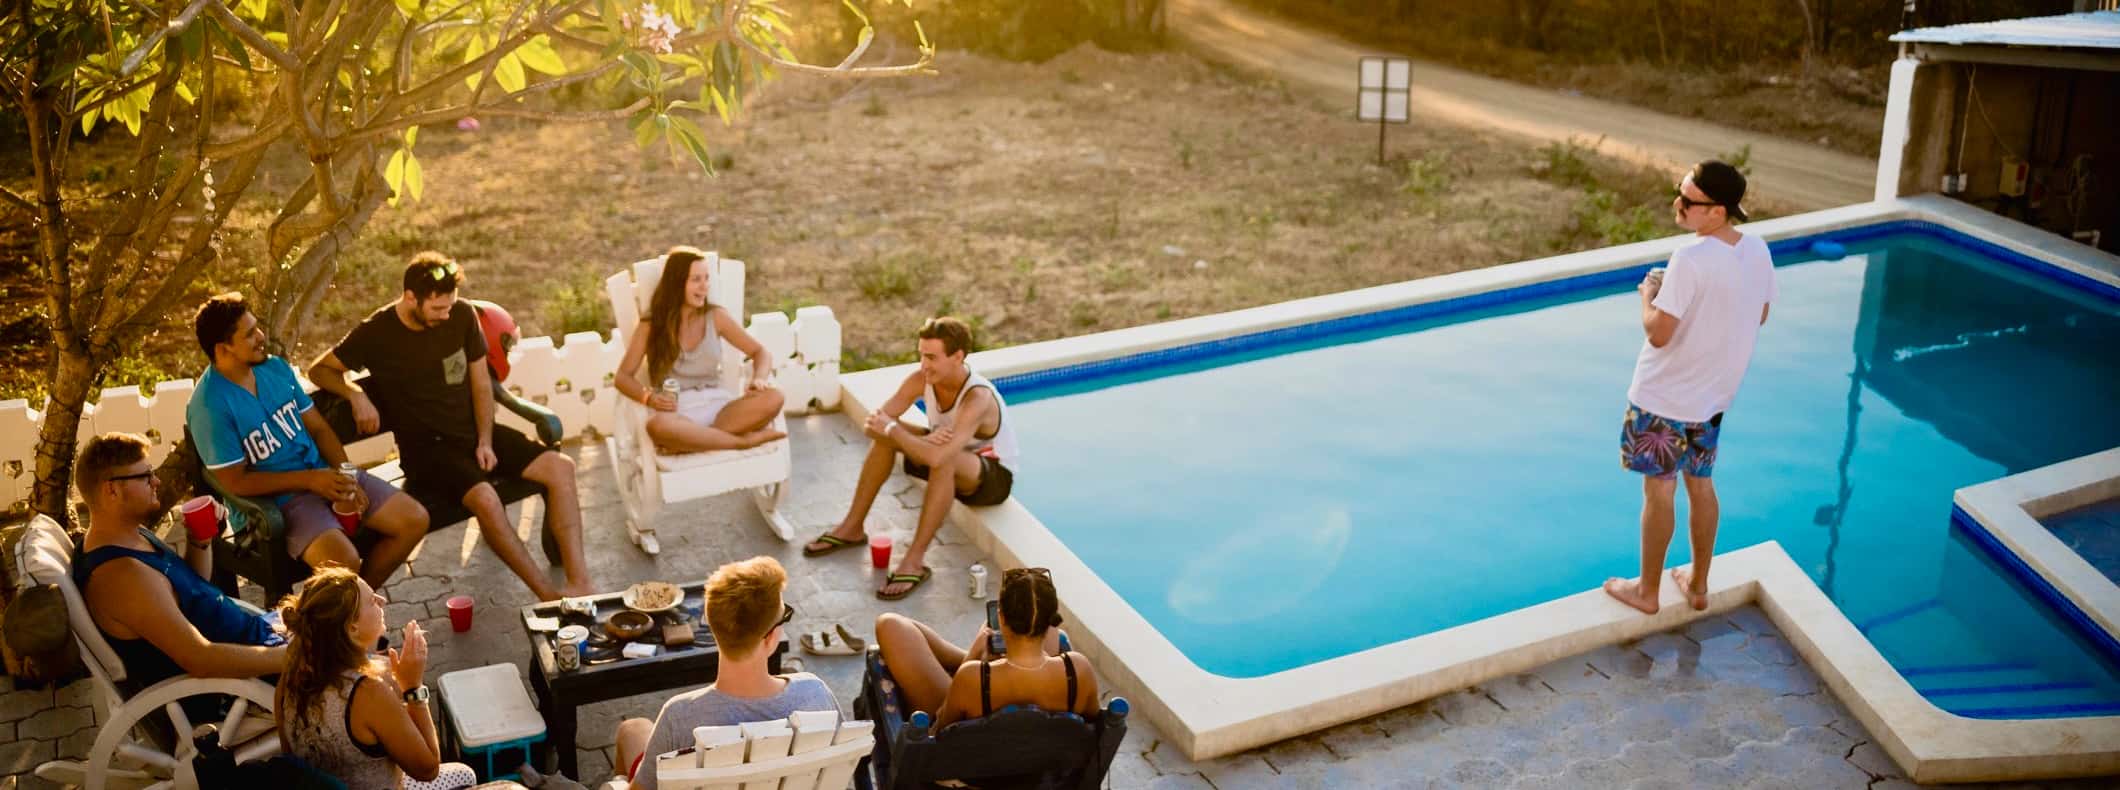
x: 670, y: 387
x: 570, y: 656
x: 978, y: 573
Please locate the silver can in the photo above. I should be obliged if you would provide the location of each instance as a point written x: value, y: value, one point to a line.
x: 570, y: 657
x: 978, y: 573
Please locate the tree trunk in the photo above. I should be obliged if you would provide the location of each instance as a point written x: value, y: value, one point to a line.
x: 55, y: 438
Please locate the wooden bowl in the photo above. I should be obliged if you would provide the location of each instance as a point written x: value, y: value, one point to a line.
x: 627, y: 624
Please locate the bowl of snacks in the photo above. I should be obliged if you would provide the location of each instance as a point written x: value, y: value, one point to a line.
x: 627, y: 625
x: 652, y: 597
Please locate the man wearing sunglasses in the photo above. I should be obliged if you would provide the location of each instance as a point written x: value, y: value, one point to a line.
x: 1701, y: 317
x: 746, y: 614
x: 428, y: 384
x: 154, y: 605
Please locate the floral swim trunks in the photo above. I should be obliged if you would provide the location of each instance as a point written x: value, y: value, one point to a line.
x: 1661, y: 447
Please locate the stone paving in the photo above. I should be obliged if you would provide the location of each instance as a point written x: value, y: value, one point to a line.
x: 1724, y: 702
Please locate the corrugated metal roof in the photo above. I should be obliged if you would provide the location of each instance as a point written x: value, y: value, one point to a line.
x: 2091, y: 30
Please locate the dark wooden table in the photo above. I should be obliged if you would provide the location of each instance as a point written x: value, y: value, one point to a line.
x: 560, y: 692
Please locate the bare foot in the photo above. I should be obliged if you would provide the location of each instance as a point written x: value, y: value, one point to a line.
x: 1629, y: 592
x: 1697, y: 597
x: 840, y: 532
x: 761, y: 436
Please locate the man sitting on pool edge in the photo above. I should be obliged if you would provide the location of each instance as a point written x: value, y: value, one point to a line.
x: 969, y: 438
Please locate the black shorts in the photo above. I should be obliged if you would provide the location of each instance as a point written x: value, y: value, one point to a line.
x: 444, y: 468
x: 995, y: 481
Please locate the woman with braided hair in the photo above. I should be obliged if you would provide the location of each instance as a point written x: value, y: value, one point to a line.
x: 956, y: 684
x: 360, y: 717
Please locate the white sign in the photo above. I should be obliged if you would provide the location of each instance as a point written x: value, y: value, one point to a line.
x: 1384, y: 90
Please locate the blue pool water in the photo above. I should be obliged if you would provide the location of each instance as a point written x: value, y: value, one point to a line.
x: 1274, y: 501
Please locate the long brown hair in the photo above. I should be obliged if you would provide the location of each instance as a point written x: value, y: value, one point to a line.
x: 320, y: 647
x: 666, y: 310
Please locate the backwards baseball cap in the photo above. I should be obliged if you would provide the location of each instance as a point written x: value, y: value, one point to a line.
x: 1722, y: 184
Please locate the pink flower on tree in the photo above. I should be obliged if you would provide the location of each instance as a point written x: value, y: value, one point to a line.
x: 654, y: 30
x: 467, y: 124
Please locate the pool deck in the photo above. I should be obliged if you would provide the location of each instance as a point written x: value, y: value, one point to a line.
x: 1724, y: 701
x: 1210, y: 715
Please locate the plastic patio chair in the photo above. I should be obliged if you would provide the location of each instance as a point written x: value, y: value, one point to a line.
x: 1018, y: 746
x: 811, y: 750
x: 145, y: 738
x: 647, y: 479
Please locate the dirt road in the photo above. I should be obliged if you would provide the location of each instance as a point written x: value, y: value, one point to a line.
x: 1798, y: 175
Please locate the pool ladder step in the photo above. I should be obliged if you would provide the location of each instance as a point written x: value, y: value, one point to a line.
x: 1972, y: 689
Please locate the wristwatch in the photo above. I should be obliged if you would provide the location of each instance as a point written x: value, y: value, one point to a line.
x: 420, y: 694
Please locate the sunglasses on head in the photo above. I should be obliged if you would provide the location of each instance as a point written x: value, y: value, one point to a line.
x: 442, y: 271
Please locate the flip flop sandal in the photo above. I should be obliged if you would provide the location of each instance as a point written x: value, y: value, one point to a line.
x: 905, y: 578
x: 827, y: 643
x: 832, y: 543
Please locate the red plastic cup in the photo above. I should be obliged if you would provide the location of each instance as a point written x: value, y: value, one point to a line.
x: 351, y: 522
x: 460, y: 613
x: 202, y: 518
x: 880, y: 551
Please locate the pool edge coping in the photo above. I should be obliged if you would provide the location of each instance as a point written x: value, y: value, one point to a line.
x: 2009, y: 509
x: 1209, y: 715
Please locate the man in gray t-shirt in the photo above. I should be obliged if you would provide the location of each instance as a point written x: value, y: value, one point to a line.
x: 711, y: 707
x: 745, y: 613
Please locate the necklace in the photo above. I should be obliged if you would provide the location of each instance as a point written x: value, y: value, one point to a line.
x: 1012, y: 662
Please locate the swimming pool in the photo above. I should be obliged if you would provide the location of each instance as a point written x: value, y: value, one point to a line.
x: 1270, y: 502
x: 1207, y: 713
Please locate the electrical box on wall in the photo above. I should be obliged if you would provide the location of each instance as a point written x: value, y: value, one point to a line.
x: 2015, y: 172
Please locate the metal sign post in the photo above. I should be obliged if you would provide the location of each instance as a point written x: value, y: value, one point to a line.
x: 1383, y: 93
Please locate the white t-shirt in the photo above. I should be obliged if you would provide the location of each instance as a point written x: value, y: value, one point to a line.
x: 1716, y: 291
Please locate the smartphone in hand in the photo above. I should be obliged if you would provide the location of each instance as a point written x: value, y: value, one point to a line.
x: 995, y: 647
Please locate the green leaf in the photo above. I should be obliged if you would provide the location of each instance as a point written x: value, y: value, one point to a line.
x: 925, y: 45
x: 394, y: 175
x: 88, y: 120
x: 410, y: 8
x: 509, y: 73
x: 473, y: 49
x: 228, y: 42
x: 412, y: 133
x: 184, y: 92
x: 721, y: 106
x: 686, y: 134
x: 255, y: 9
x: 643, y: 131
x: 538, y: 55
x: 857, y: 12
x: 414, y: 182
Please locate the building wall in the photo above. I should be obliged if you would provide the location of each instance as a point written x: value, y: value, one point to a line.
x: 1960, y: 117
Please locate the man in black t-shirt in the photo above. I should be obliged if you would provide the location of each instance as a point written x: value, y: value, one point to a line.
x: 427, y: 385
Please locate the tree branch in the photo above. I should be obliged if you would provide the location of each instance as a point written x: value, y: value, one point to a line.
x: 924, y: 67
x: 18, y: 201
x: 251, y: 36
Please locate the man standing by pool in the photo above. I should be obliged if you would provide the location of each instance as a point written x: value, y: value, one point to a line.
x: 1702, y: 319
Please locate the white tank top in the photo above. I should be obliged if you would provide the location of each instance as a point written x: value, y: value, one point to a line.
x: 1001, y: 446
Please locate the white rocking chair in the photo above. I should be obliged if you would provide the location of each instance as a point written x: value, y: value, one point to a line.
x: 811, y: 750
x: 648, y: 479
x: 126, y: 755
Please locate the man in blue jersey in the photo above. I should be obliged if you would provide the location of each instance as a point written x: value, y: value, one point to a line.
x: 260, y: 436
